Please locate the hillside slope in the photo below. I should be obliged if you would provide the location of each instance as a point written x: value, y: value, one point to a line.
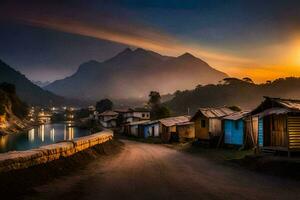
x: 12, y: 110
x: 26, y: 90
x: 246, y: 95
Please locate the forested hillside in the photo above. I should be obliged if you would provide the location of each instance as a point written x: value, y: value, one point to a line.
x: 231, y: 91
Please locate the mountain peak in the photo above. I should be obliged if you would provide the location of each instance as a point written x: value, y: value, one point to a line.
x: 186, y: 55
x: 140, y: 50
x: 126, y: 51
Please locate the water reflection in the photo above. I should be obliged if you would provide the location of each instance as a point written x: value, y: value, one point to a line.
x: 42, y: 135
x: 52, y: 134
x: 31, y: 135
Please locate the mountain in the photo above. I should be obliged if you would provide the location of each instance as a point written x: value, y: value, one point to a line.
x: 41, y: 83
x: 134, y: 73
x: 26, y: 90
x: 233, y: 92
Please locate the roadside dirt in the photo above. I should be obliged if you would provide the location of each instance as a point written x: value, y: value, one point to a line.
x: 151, y: 171
x: 17, y: 184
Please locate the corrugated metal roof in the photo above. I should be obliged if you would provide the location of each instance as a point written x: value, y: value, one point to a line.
x: 237, y: 115
x: 185, y: 123
x: 122, y: 110
x: 271, y: 111
x: 215, y: 112
x: 108, y: 113
x: 151, y: 122
x: 172, y: 121
x: 289, y: 103
x: 138, y: 122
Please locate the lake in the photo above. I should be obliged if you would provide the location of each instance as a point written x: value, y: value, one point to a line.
x: 40, y: 136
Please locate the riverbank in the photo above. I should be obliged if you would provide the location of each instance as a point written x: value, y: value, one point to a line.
x: 18, y: 183
x: 14, y: 160
x: 15, y: 126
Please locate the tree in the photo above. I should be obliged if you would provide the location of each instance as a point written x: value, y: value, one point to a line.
x: 82, y: 113
x: 235, y: 108
x: 104, y: 105
x: 230, y: 80
x: 154, y: 98
x: 248, y: 80
x: 158, y: 111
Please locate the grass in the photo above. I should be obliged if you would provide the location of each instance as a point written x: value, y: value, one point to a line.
x: 217, y: 154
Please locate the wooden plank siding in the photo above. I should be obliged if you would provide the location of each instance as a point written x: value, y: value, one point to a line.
x: 294, y: 132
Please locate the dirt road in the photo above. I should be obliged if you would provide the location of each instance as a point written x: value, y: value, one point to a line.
x: 148, y: 171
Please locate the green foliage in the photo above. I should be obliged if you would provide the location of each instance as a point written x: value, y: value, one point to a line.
x: 158, y: 111
x: 104, y: 105
x: 235, y: 108
x: 82, y: 113
x: 154, y: 98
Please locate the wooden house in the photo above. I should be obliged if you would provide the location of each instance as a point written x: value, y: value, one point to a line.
x: 278, y: 124
x: 208, y: 122
x: 168, y: 127
x: 135, y: 128
x: 185, y: 131
x: 151, y: 129
x: 235, y: 128
x: 108, y: 119
x: 136, y: 114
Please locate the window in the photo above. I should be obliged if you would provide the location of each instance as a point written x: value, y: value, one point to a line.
x: 203, y: 125
x: 143, y: 115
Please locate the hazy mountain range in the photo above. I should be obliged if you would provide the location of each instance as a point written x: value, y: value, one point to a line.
x: 133, y: 74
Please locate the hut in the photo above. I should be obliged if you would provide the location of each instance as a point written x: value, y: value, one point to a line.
x: 168, y: 127
x: 151, y: 129
x: 234, y: 128
x: 185, y: 131
x: 136, y: 114
x: 135, y: 128
x: 108, y: 119
x: 278, y: 125
x: 208, y: 122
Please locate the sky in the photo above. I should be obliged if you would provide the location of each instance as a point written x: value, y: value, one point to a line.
x: 48, y: 40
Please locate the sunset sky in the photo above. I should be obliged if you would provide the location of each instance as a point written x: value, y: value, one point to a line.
x: 47, y: 40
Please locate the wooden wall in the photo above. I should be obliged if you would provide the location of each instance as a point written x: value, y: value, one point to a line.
x: 200, y: 132
x: 294, y: 132
x: 186, y: 131
x: 215, y: 127
x: 251, y: 130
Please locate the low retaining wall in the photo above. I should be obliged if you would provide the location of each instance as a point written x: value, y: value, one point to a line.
x: 23, y: 159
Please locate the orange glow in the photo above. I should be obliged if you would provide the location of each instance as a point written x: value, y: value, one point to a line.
x: 260, y: 62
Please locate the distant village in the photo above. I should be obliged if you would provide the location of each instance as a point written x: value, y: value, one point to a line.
x: 274, y: 126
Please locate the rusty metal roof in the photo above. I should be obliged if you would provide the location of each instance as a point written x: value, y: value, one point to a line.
x: 172, y: 121
x: 215, y: 112
x: 108, y: 113
x: 288, y: 103
x: 138, y: 122
x: 273, y: 111
x: 237, y: 115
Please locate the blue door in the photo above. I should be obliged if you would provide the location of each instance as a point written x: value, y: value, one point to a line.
x: 261, y: 132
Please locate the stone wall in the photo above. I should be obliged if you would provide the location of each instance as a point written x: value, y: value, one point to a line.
x: 23, y: 159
